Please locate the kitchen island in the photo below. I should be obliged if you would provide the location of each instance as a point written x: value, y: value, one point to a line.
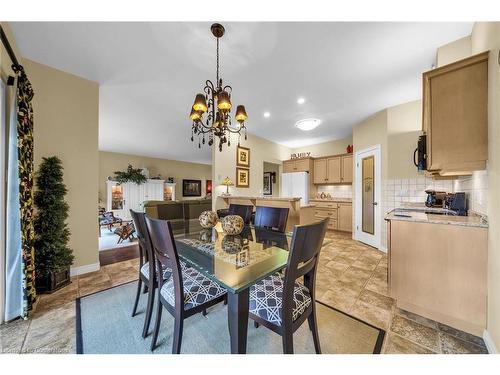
x: 438, y: 265
x: 296, y: 213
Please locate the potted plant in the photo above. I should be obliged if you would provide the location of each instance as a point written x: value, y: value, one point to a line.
x: 53, y: 257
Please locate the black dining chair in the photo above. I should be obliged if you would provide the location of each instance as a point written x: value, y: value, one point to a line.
x: 282, y: 304
x: 187, y: 292
x: 243, y: 210
x: 273, y: 218
x: 146, y: 268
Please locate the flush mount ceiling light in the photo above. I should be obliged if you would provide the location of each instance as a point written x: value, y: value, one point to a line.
x: 216, y: 102
x: 307, y: 124
x: 301, y: 100
x: 267, y: 114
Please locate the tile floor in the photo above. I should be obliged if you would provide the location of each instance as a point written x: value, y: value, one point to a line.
x: 352, y: 277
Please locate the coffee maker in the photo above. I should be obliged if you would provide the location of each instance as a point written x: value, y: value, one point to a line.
x: 435, y: 198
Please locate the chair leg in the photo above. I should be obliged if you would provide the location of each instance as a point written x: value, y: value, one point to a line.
x: 204, y: 312
x: 139, y: 284
x: 145, y: 289
x: 313, y: 325
x: 225, y: 299
x: 157, y: 323
x: 178, y: 326
x: 149, y: 311
x: 287, y: 338
x: 256, y: 324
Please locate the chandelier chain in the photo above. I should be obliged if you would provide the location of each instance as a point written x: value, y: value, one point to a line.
x: 217, y: 76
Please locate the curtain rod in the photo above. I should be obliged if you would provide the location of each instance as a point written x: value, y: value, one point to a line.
x: 12, y: 55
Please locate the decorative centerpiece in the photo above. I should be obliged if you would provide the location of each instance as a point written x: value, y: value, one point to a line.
x: 208, y: 219
x: 232, y: 225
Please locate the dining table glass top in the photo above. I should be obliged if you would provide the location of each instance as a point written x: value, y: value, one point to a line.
x: 235, y: 262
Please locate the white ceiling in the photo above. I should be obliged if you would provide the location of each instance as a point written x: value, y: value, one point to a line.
x: 150, y: 72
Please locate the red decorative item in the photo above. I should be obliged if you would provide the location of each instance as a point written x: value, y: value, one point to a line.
x: 349, y: 149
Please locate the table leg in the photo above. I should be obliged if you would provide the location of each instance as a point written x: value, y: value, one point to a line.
x: 237, y: 314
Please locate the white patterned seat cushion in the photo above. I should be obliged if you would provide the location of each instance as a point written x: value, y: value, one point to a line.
x: 198, y: 289
x: 166, y: 272
x: 266, y: 299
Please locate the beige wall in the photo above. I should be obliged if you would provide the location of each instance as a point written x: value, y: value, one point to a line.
x: 66, y: 112
x: 404, y: 125
x: 109, y: 162
x: 335, y: 147
x: 456, y: 50
x: 224, y: 164
x: 486, y: 36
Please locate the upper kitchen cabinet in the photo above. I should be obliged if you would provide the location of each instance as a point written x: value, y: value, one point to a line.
x: 455, y: 112
x: 347, y: 169
x: 297, y: 165
x: 333, y: 170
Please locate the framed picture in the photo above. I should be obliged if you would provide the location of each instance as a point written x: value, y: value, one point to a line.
x: 268, y: 184
x: 242, y: 157
x: 242, y: 177
x: 191, y: 188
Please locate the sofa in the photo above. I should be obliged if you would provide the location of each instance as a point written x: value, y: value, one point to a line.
x: 177, y: 210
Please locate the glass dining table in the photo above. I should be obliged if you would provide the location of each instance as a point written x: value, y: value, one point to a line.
x: 235, y: 262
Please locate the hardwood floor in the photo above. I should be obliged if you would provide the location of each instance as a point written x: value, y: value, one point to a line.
x: 119, y: 254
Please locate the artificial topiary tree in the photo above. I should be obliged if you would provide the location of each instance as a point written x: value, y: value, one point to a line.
x: 52, y: 253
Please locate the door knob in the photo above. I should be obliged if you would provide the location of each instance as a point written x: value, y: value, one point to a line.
x: 375, y: 203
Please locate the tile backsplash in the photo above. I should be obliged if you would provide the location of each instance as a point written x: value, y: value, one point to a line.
x: 476, y: 190
x: 336, y: 191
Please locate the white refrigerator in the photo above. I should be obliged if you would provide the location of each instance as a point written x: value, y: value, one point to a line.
x: 294, y: 185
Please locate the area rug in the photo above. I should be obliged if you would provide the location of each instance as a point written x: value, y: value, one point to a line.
x: 104, y: 326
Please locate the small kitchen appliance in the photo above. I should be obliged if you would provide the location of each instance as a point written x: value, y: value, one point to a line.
x: 456, y: 202
x: 435, y: 198
x: 420, y: 154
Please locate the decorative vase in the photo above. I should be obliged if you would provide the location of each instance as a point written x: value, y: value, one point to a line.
x: 232, y: 224
x: 208, y: 219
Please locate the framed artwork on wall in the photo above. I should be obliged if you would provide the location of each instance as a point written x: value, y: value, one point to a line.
x: 268, y: 184
x: 242, y: 156
x: 191, y: 188
x: 242, y: 177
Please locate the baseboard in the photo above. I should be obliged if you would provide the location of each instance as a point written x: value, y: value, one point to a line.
x: 488, y: 341
x: 74, y: 271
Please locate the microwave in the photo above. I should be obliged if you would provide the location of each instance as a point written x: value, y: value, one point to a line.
x: 420, y: 153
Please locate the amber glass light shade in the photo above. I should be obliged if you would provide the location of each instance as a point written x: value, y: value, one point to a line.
x: 223, y: 101
x: 241, y: 114
x: 195, y: 115
x: 200, y: 104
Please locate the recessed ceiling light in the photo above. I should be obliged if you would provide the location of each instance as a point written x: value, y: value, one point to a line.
x: 308, y: 124
x: 267, y: 114
x: 301, y: 100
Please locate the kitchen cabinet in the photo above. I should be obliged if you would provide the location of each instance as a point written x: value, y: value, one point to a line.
x: 297, y: 165
x: 345, y: 217
x: 455, y: 116
x: 320, y: 171
x: 338, y: 213
x: 336, y: 169
x: 439, y: 271
x: 347, y: 168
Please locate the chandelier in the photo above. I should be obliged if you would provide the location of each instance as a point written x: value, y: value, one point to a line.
x: 216, y: 103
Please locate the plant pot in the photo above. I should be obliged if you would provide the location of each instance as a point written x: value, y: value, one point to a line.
x: 54, y: 281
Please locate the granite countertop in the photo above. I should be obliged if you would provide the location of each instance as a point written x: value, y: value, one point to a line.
x: 422, y: 214
x: 347, y: 200
x: 291, y: 199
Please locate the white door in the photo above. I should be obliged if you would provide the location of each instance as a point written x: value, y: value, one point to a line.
x: 368, y: 196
